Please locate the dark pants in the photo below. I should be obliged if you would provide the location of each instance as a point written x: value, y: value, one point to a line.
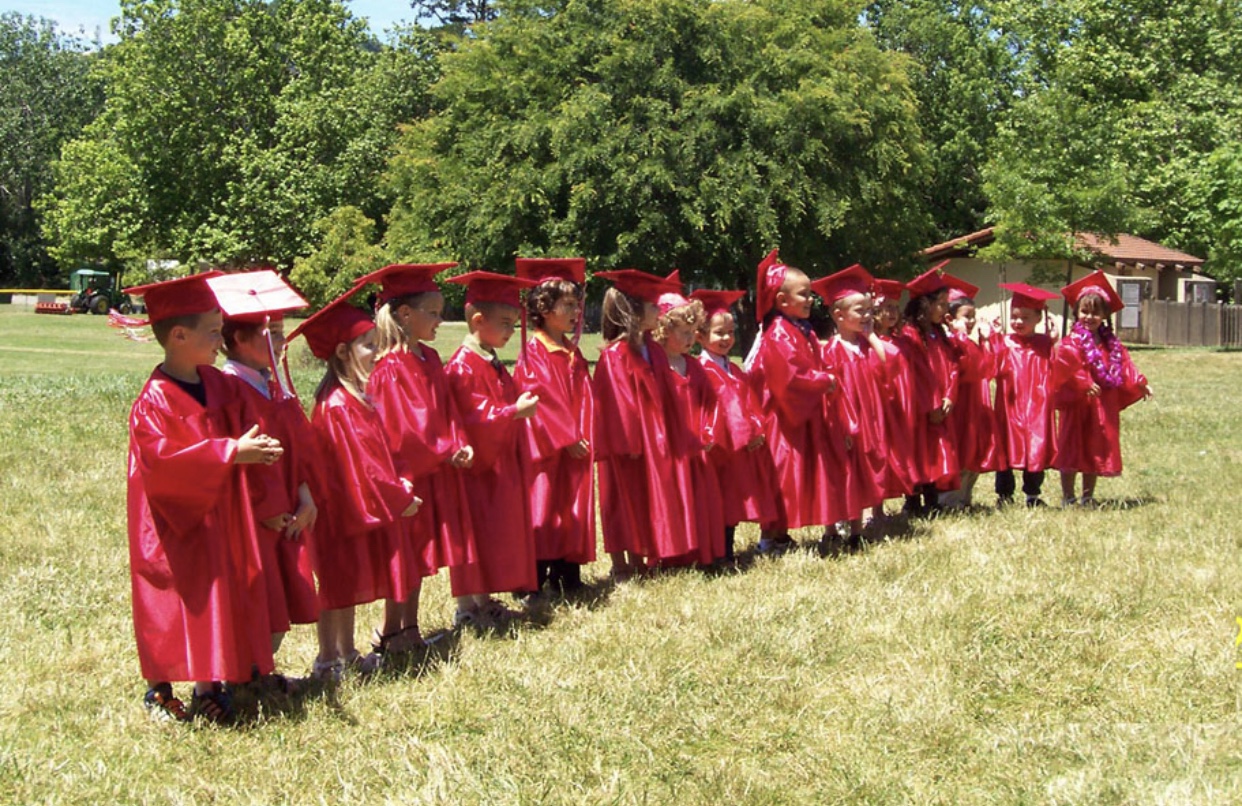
x: 1031, y: 483
x: 559, y: 574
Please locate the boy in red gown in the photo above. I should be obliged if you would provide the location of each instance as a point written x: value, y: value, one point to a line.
x: 254, y: 304
x: 744, y: 468
x: 492, y: 410
x: 787, y: 372
x: 199, y: 598
x: 973, y: 419
x: 562, y: 492
x: 857, y: 357
x: 1024, y: 410
x: 898, y: 398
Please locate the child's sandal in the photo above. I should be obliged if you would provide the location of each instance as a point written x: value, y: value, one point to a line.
x: 163, y: 705
x: 214, y: 706
x: 392, y: 642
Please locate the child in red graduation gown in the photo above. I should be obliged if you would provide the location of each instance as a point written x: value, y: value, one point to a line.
x: 562, y: 491
x: 411, y: 395
x: 199, y: 594
x: 743, y: 465
x: 898, y: 397
x: 973, y: 419
x: 933, y: 362
x: 1093, y: 379
x: 858, y: 358
x: 787, y: 372
x: 254, y: 304
x: 1024, y: 408
x: 641, y: 505
x: 362, y: 549
x: 492, y: 410
x: 691, y: 408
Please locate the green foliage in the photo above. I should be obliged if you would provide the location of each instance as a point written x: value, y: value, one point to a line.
x: 46, y: 98
x: 240, y: 123
x: 656, y: 134
x: 347, y: 250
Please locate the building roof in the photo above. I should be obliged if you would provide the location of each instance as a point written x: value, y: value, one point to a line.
x: 1129, y: 250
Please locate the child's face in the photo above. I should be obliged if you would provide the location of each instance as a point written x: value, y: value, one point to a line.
x: 966, y: 314
x: 794, y: 298
x: 252, y: 349
x: 678, y: 339
x: 853, y: 315
x: 361, y: 351
x: 938, y: 308
x: 199, y: 344
x: 563, y: 318
x: 1023, y: 321
x: 887, y: 314
x: 651, y: 317
x: 718, y: 338
x: 495, y: 328
x: 423, y: 318
x: 1089, y: 314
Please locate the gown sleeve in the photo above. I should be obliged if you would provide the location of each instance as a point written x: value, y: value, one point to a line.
x: 617, y: 415
x: 364, y: 489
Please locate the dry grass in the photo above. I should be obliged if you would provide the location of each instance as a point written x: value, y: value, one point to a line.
x: 1015, y: 656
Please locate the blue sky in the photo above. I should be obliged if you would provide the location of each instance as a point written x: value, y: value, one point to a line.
x: 72, y: 15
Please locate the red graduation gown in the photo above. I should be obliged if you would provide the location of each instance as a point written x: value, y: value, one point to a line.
x: 199, y: 595
x: 933, y: 366
x: 497, y: 482
x: 860, y: 371
x: 1024, y: 410
x: 288, y: 564
x: 692, y: 426
x: 641, y: 503
x: 421, y: 425
x: 562, y: 491
x: 362, y: 548
x: 898, y: 408
x: 791, y: 381
x: 1089, y: 429
x: 973, y: 420
x: 747, y: 478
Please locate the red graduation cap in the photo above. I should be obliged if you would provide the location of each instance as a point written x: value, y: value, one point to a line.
x: 488, y: 286
x: 715, y: 302
x: 640, y: 284
x: 768, y: 283
x: 887, y: 289
x: 541, y: 269
x: 1094, y: 283
x: 854, y: 280
x: 404, y: 279
x: 936, y: 279
x: 338, y: 322
x: 1028, y: 296
x: 254, y: 295
x: 184, y: 296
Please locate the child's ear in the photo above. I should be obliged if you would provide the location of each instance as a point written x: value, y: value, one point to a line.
x: 342, y: 351
x: 476, y: 319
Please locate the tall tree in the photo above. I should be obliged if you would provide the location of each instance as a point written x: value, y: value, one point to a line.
x: 656, y: 133
x: 46, y: 98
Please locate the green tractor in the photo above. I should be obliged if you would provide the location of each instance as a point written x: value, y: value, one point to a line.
x: 98, y: 292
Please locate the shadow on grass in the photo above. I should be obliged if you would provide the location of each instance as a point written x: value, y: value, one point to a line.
x: 1133, y: 502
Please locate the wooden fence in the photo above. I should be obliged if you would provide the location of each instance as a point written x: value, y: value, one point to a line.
x: 1186, y: 324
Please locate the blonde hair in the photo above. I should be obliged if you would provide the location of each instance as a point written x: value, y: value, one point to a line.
x: 691, y: 314
x: 621, y: 317
x: 347, y: 372
x: 390, y: 337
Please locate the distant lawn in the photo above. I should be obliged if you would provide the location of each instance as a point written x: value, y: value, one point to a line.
x: 1020, y: 656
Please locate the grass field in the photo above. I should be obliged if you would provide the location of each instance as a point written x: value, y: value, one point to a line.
x: 1001, y: 657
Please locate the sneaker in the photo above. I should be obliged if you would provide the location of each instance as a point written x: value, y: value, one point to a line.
x: 1034, y: 502
x: 163, y: 706
x: 214, y: 706
x: 1067, y: 503
x: 328, y: 671
x: 1003, y: 501
x: 775, y: 546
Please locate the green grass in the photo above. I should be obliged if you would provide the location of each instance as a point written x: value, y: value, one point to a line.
x: 1016, y: 656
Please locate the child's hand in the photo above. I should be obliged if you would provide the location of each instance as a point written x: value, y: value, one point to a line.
x: 254, y: 448
x: 1094, y: 391
x: 579, y: 449
x: 1148, y: 394
x: 277, y: 523
x: 756, y: 443
x: 849, y: 442
x: 303, y: 519
x: 527, y: 402
x: 707, y: 446
x: 463, y: 458
x: 412, y: 508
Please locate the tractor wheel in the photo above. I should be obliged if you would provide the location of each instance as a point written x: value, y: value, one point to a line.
x: 126, y: 308
x: 99, y: 305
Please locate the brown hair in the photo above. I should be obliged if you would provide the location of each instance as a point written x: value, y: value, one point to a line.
x: 689, y: 314
x: 164, y: 327
x: 345, y: 372
x: 541, y: 299
x: 390, y: 337
x: 621, y: 316
x: 234, y: 330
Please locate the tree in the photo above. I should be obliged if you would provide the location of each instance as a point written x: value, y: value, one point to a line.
x: 347, y: 250
x: 46, y: 98
x: 655, y: 134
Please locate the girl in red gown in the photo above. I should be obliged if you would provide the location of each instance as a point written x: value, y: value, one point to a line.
x: 898, y: 399
x: 362, y: 552
x: 411, y: 396
x: 973, y: 419
x: 562, y: 491
x: 1093, y: 379
x: 641, y: 506
x: 743, y: 465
